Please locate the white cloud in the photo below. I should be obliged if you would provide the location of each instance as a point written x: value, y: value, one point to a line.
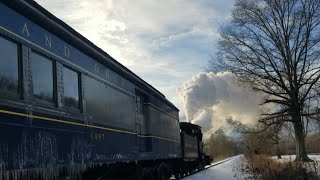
x: 207, y: 32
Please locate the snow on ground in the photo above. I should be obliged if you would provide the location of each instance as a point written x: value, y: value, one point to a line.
x: 230, y: 170
x: 288, y: 158
x: 224, y: 171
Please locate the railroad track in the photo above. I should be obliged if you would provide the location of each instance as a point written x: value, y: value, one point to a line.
x: 220, y: 162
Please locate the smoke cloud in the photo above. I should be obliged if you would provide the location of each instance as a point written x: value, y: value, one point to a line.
x: 213, y: 100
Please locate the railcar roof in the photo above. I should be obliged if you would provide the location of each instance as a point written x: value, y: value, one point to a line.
x: 188, y: 125
x: 41, y: 16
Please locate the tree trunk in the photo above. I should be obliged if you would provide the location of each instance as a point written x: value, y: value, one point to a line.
x: 278, y: 151
x: 301, y: 153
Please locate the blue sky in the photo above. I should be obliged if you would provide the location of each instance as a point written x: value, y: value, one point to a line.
x: 164, y: 42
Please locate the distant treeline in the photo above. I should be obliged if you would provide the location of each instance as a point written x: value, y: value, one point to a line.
x: 221, y: 146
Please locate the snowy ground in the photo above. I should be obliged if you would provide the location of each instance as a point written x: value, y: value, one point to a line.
x: 229, y: 170
x: 288, y: 158
x: 223, y: 171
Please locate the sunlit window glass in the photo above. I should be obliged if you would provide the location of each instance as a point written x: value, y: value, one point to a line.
x: 42, y: 77
x: 70, y: 88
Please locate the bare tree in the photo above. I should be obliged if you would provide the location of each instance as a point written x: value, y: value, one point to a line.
x: 256, y: 142
x: 273, y: 45
x: 220, y: 146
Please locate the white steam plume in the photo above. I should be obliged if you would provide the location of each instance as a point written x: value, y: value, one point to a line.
x: 211, y: 99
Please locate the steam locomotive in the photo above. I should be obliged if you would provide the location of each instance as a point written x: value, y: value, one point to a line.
x: 69, y: 109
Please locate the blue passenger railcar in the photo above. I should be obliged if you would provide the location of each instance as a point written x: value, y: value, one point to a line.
x: 67, y: 106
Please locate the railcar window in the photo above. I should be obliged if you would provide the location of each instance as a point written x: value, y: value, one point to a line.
x: 71, y: 88
x: 42, y: 77
x: 9, y: 78
x: 109, y: 106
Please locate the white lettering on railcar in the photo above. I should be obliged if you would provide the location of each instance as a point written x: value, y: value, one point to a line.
x: 25, y: 29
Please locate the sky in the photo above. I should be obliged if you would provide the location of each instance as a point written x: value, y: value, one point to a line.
x: 166, y: 42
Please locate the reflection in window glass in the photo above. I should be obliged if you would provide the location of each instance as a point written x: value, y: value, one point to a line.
x: 42, y: 77
x: 109, y: 106
x: 8, y: 66
x: 71, y: 88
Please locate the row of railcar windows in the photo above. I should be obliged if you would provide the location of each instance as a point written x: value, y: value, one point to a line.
x: 106, y: 105
x: 43, y: 71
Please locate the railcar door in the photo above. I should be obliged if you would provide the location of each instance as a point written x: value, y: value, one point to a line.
x: 140, y: 124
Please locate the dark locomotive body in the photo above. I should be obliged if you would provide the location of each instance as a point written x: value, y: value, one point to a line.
x: 193, y: 157
x: 67, y: 107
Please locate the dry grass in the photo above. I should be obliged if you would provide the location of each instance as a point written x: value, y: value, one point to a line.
x: 263, y: 167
